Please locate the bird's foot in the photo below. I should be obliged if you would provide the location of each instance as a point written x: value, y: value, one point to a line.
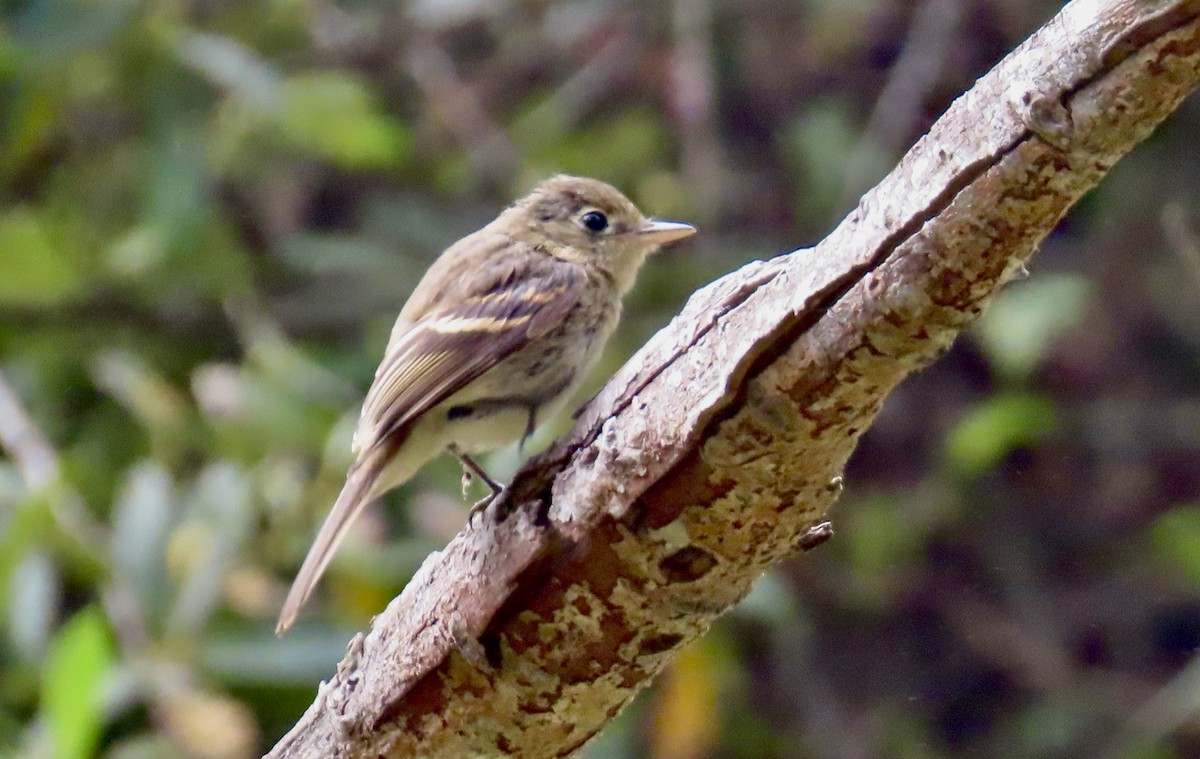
x: 498, y: 498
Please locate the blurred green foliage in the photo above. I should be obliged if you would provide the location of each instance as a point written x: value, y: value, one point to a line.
x: 1023, y: 322
x: 995, y: 428
x: 1176, y: 536
x: 211, y: 212
x: 77, y: 663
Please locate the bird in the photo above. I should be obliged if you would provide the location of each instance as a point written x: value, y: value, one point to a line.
x: 494, y: 339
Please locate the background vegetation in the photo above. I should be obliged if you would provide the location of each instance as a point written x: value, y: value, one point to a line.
x: 210, y: 212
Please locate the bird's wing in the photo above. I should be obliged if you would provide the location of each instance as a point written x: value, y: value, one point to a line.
x: 451, y: 346
x: 443, y: 351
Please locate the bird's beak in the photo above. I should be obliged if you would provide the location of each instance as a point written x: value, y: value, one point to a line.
x: 662, y: 232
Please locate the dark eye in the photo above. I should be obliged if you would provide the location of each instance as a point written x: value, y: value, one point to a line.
x: 595, y: 221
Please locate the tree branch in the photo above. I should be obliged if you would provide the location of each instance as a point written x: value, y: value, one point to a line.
x: 714, y: 451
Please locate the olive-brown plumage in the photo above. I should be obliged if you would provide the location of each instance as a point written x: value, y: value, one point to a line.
x: 495, y: 337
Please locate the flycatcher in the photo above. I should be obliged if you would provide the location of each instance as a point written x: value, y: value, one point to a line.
x: 494, y: 339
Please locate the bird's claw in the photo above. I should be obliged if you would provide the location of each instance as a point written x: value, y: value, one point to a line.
x: 482, y: 505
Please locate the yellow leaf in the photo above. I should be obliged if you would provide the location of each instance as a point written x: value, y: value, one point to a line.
x: 686, y: 718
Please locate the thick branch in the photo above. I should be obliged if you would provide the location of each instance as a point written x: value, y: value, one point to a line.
x: 709, y: 456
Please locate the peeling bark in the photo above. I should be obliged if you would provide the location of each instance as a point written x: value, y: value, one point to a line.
x: 717, y: 448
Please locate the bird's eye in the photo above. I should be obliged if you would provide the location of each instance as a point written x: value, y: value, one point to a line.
x: 594, y: 221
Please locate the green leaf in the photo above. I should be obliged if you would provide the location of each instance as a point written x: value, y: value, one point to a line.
x: 78, y: 661
x: 991, y: 430
x: 231, y: 65
x: 220, y: 518
x: 34, y: 270
x: 34, y: 609
x: 1024, y: 320
x: 334, y: 116
x: 143, y: 512
x: 1176, y: 535
x: 22, y: 529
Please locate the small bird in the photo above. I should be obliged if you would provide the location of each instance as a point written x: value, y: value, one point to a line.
x: 494, y: 339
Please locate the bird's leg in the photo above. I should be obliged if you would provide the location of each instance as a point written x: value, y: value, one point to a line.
x: 530, y: 426
x: 473, y: 468
x: 470, y: 467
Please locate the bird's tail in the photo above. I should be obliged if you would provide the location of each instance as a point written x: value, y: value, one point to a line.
x: 355, y: 494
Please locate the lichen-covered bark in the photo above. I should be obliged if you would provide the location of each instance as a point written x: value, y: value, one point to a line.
x: 715, y: 450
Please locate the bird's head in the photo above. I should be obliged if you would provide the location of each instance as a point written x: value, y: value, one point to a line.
x: 591, y: 223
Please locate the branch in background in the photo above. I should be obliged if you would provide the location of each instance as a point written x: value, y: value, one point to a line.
x: 458, y: 107
x: 24, y: 442
x: 693, y: 90
x: 708, y: 456
x: 38, y: 463
x: 898, y: 114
